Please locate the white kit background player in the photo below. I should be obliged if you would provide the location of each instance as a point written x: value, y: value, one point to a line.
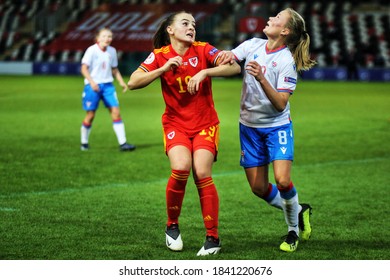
x: 99, y: 67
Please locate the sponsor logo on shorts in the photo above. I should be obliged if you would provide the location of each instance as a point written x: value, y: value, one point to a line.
x: 171, y: 135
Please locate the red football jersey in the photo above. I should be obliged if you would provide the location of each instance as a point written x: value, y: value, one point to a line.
x: 192, y: 113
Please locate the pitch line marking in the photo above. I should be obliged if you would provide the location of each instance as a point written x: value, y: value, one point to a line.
x: 163, y: 181
x: 5, y: 209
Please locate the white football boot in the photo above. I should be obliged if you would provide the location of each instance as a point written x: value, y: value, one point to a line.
x: 173, y: 238
x: 210, y: 247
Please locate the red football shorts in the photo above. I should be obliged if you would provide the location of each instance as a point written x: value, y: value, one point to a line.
x: 207, y: 139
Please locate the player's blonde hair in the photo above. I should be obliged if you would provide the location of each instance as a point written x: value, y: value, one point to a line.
x: 298, y: 41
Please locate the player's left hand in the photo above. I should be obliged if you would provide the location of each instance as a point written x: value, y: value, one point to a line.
x: 194, y: 82
x: 253, y: 68
x: 124, y: 87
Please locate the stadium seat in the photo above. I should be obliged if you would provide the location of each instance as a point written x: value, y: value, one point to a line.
x: 335, y: 27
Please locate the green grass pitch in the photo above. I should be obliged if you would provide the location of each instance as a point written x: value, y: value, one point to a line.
x: 58, y: 203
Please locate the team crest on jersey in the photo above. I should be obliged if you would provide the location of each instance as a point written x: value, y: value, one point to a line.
x: 171, y: 135
x: 150, y: 58
x: 193, y: 61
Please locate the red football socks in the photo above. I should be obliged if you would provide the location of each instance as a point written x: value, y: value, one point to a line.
x: 175, y: 194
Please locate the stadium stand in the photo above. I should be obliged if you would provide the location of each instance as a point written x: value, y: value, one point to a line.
x: 338, y: 29
x: 341, y: 31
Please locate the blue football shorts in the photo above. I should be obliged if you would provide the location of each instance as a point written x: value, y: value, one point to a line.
x: 92, y: 98
x: 261, y: 146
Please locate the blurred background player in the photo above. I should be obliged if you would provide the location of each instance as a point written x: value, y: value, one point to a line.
x: 190, y: 121
x: 266, y: 131
x: 99, y: 67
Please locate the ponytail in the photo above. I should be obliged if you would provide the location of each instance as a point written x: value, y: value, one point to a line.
x: 298, y: 41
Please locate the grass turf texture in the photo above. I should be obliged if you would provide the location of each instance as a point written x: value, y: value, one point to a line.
x: 57, y: 202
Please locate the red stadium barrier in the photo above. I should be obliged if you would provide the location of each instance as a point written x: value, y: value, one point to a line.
x: 251, y: 24
x: 133, y: 25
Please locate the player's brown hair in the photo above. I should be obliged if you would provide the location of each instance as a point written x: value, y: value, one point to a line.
x: 161, y: 37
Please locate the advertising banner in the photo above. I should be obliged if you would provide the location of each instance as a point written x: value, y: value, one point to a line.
x: 133, y: 25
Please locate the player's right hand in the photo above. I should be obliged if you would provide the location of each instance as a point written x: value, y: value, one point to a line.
x: 173, y: 63
x: 95, y: 86
x: 225, y: 57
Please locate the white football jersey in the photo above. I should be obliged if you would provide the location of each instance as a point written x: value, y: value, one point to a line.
x: 100, y: 63
x: 280, y: 71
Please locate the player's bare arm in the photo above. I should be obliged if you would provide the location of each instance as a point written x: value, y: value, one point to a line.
x: 140, y: 78
x: 218, y: 71
x: 278, y: 99
x: 118, y: 76
x: 87, y: 75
